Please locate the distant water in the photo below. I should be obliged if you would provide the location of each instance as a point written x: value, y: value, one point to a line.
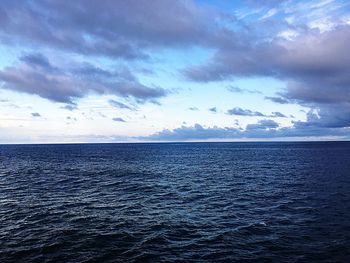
x: 193, y: 202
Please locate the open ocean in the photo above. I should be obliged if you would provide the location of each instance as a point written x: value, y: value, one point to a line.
x: 175, y: 202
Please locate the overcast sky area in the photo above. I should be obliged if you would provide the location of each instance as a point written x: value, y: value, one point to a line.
x: 165, y: 70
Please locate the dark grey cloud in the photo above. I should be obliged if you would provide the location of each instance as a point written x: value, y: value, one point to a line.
x: 56, y: 87
x: 310, y: 59
x: 329, y: 116
x: 118, y: 119
x: 35, y: 114
x: 244, y: 112
x: 120, y: 105
x: 126, y: 29
x: 277, y: 114
x: 213, y: 110
x: 92, y: 72
x: 279, y: 100
x: 69, y: 107
x: 140, y: 92
x: 37, y: 60
x: 262, y: 125
x: 35, y: 75
x: 235, y: 89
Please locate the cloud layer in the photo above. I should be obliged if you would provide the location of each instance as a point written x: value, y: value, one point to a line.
x: 314, y: 64
x: 124, y: 29
x: 34, y: 74
x: 264, y: 129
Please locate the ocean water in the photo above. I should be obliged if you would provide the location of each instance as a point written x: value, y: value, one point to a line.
x: 181, y: 202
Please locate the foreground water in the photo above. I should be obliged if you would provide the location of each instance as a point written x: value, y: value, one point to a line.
x: 193, y: 202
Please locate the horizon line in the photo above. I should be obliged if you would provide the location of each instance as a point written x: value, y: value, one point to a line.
x: 176, y: 142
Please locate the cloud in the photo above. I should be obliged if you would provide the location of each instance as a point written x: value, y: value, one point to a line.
x: 37, y: 60
x: 69, y: 107
x: 310, y: 59
x: 35, y: 114
x: 235, y: 89
x: 315, y: 65
x: 213, y: 110
x: 35, y: 75
x: 266, y: 3
x: 240, y: 90
x: 118, y: 119
x: 120, y: 29
x: 279, y: 100
x: 193, y: 108
x: 244, y: 112
x: 331, y: 116
x: 119, y: 105
x: 263, y: 130
x: 262, y: 125
x: 195, y: 132
x: 92, y: 72
x: 277, y: 114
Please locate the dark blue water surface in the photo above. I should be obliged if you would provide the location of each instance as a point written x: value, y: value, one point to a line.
x: 184, y: 202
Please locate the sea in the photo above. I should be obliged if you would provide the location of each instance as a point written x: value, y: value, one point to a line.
x: 175, y: 202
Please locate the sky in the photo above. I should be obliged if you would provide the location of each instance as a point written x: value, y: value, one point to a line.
x: 165, y: 70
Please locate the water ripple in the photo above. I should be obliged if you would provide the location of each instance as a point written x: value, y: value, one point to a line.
x: 207, y: 202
